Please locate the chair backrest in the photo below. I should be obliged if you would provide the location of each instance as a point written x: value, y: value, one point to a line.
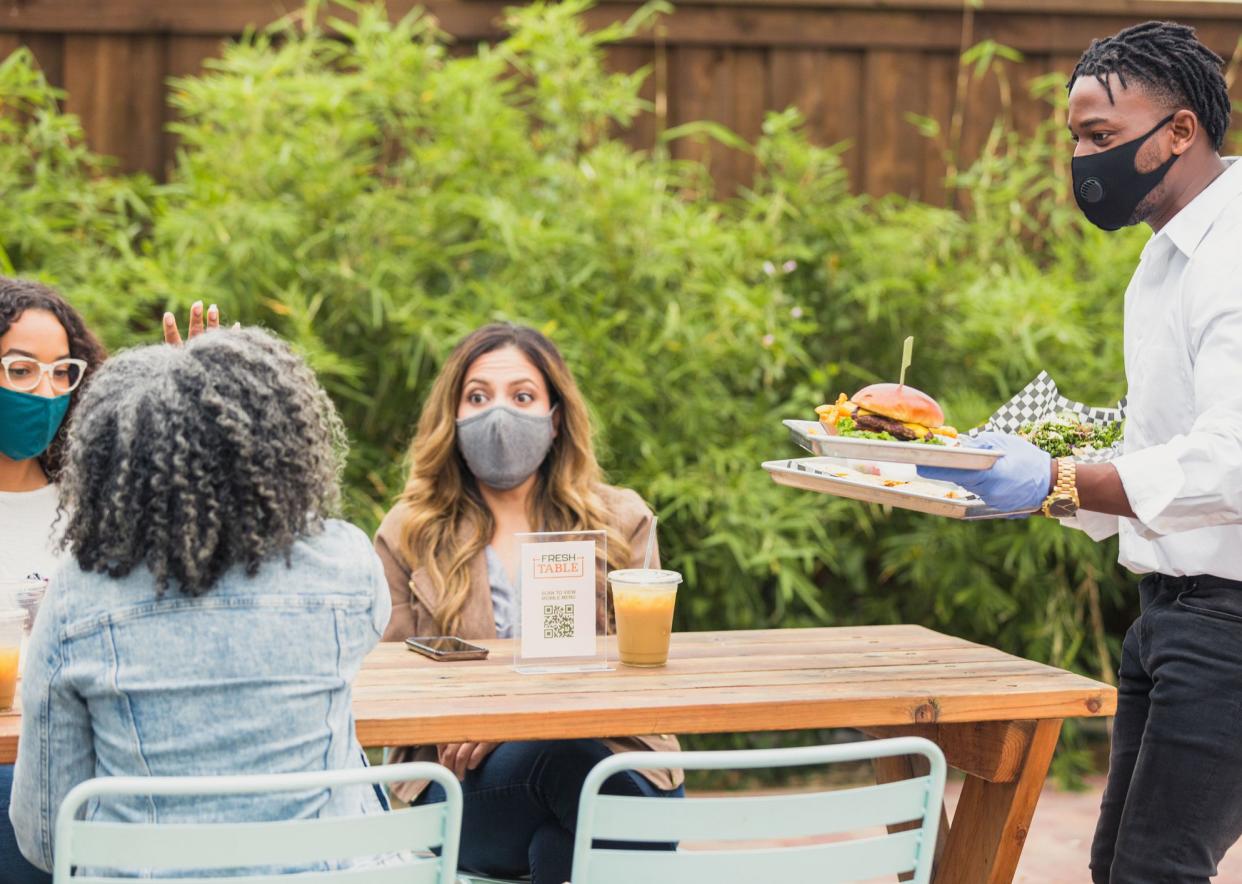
x: 168, y: 847
x: 752, y: 819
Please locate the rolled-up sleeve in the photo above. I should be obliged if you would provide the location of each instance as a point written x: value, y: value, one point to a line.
x: 56, y: 751
x: 1194, y: 480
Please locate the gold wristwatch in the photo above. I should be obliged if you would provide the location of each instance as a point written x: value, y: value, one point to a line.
x: 1062, y: 503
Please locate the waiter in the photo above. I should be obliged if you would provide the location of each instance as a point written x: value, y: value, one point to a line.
x: 1148, y: 111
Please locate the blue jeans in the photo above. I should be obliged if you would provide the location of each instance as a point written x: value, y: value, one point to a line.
x: 1173, y: 803
x: 521, y: 807
x: 14, y: 869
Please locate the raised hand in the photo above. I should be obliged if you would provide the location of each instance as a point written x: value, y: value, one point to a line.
x: 172, y: 335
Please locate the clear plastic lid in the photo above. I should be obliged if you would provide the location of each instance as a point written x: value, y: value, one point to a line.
x: 646, y: 577
x: 23, y: 584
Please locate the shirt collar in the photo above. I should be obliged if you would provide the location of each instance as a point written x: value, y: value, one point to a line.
x: 1188, y: 227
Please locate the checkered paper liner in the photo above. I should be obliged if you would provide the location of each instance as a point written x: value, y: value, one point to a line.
x: 1039, y: 400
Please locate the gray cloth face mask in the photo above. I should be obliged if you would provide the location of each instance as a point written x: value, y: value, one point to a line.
x: 503, y: 446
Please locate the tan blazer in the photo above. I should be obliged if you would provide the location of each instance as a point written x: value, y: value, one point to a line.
x: 414, y: 598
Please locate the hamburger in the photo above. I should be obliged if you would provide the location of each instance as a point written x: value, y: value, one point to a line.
x: 894, y: 412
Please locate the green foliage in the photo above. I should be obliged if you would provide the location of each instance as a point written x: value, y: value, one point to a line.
x: 62, y: 218
x: 373, y: 197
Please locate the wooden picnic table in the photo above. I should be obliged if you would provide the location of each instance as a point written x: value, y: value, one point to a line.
x: 997, y: 717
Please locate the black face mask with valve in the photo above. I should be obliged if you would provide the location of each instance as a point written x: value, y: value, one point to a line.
x: 1109, y: 188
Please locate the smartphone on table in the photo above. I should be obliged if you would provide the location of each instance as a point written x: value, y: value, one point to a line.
x: 445, y: 648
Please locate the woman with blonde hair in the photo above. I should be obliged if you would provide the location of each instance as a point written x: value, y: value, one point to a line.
x: 504, y: 446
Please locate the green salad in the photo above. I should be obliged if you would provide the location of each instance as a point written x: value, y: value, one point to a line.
x: 1066, y: 435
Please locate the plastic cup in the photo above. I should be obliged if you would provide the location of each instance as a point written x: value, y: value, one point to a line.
x: 26, y: 595
x: 10, y: 653
x: 643, y: 601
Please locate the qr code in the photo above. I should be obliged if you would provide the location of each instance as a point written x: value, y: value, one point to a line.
x: 558, y: 621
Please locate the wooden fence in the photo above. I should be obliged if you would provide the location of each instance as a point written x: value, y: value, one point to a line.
x: 856, y: 68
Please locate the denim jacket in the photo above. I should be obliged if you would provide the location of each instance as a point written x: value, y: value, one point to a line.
x: 253, y: 676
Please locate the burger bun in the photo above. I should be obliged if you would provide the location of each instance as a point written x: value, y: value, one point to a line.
x: 900, y: 402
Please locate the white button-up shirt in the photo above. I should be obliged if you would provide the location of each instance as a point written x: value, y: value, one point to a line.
x: 1182, y: 455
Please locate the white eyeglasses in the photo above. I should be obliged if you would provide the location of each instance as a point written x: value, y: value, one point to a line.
x: 24, y: 374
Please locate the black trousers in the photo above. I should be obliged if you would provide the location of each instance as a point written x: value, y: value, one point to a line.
x: 521, y: 807
x: 1173, y: 803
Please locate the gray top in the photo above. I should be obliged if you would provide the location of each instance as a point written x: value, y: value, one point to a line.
x: 504, y: 594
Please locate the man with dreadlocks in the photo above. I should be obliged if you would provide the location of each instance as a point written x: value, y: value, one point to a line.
x: 1148, y: 112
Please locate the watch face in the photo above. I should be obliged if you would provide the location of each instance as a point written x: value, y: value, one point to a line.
x: 1062, y: 508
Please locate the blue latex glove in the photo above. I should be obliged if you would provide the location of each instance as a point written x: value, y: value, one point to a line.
x: 1019, y: 481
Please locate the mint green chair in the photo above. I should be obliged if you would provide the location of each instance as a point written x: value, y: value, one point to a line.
x: 759, y: 818
x: 168, y: 847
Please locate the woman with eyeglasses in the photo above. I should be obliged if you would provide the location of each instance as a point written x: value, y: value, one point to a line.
x: 46, y: 354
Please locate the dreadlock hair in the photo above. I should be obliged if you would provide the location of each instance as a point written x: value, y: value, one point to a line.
x: 1169, y: 60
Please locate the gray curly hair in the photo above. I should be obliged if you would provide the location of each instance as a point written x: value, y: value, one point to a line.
x: 195, y: 459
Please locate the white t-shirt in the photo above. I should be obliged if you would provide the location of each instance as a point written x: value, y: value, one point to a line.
x: 27, y: 544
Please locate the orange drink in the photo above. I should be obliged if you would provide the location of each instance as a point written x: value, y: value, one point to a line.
x: 643, y: 601
x: 10, y: 653
x: 27, y: 595
x: 8, y: 676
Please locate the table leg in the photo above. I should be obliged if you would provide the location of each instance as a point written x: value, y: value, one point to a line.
x: 992, y: 818
x: 906, y: 767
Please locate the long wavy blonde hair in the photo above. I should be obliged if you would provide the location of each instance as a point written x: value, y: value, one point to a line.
x: 448, y: 522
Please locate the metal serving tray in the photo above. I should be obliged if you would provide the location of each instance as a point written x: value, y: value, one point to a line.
x: 839, y: 478
x: 811, y: 436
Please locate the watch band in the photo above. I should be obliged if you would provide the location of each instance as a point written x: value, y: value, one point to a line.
x: 1066, y: 488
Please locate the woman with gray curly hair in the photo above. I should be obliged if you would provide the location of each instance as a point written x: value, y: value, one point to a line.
x: 212, y: 616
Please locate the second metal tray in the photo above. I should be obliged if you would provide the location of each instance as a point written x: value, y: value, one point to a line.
x: 838, y: 478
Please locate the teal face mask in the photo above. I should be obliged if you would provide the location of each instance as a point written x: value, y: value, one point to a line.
x: 28, y: 423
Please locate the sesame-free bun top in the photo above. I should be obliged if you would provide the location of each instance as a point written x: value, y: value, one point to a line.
x: 901, y: 403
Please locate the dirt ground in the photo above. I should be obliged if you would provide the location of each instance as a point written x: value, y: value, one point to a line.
x: 1059, y: 844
